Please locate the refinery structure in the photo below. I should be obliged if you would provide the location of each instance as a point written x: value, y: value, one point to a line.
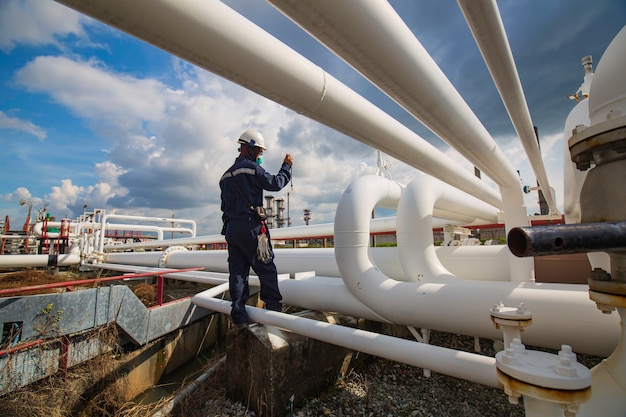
x: 464, y: 287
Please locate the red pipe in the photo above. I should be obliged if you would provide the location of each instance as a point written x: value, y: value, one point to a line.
x: 24, y: 346
x: 94, y: 280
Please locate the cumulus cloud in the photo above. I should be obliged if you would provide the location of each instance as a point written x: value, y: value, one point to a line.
x: 36, y: 22
x: 95, y: 93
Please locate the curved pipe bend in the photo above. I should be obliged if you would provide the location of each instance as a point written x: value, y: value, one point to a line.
x: 447, y: 301
x: 416, y: 247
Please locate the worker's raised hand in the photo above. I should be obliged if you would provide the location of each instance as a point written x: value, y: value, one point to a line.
x: 288, y: 159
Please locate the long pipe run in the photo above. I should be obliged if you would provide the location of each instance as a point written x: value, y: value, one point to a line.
x: 379, y: 225
x: 211, y: 35
x: 460, y: 308
x: 468, y: 366
x: 373, y: 39
x: 485, y: 23
x: 485, y: 263
x: 566, y: 238
x: 25, y: 261
x: 397, y: 63
x: 159, y: 230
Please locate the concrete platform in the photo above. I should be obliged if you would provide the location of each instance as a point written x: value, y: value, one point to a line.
x: 271, y: 371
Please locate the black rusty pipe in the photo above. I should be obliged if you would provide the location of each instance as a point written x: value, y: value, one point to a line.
x: 566, y: 238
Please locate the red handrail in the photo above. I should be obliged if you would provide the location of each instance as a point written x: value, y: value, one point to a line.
x: 93, y: 280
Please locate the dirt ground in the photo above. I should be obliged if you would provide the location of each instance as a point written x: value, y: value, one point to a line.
x: 34, y: 277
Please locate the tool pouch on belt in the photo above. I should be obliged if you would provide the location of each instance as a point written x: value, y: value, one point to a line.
x: 260, y: 212
x: 263, y: 249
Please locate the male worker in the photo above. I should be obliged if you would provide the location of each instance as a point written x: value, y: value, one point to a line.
x: 242, y: 188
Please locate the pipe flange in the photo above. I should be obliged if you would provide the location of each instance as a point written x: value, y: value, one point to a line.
x: 510, y: 316
x: 167, y: 252
x: 598, y: 144
x: 544, y: 372
x: 609, y: 286
x: 607, y: 302
x: 514, y: 388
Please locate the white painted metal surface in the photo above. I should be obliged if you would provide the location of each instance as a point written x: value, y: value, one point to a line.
x: 33, y: 261
x: 607, y: 95
x: 485, y: 22
x: 468, y: 366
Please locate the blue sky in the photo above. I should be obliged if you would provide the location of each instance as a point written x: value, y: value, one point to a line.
x: 91, y: 116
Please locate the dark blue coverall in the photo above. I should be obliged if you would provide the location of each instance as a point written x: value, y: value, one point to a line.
x: 242, y: 229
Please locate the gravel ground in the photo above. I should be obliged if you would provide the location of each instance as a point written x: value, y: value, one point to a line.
x: 381, y: 387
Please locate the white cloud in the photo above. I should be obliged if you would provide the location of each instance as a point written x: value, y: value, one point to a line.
x: 14, y: 123
x: 36, y: 22
x: 64, y: 195
x: 20, y: 193
x: 121, y: 101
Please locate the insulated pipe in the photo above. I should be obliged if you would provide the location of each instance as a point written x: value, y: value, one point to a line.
x: 107, y: 217
x: 374, y: 40
x: 566, y: 238
x: 327, y: 294
x: 415, y: 242
x: 486, y: 263
x: 398, y: 64
x: 609, y: 380
x: 167, y: 220
x: 32, y: 261
x: 460, y: 308
x: 485, y: 22
x: 441, y: 306
x: 379, y: 225
x: 38, y: 229
x: 209, y: 34
x: 463, y: 365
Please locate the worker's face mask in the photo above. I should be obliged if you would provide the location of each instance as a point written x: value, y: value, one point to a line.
x: 259, y: 160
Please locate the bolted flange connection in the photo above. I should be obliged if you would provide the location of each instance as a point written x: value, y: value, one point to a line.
x: 512, y: 320
x: 167, y: 252
x: 511, y: 316
x: 557, y: 379
x: 606, y: 292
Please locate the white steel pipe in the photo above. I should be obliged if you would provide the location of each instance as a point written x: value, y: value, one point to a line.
x: 468, y: 366
x: 107, y: 217
x: 486, y: 263
x: 327, y: 294
x: 433, y: 305
x: 485, y: 23
x: 415, y: 239
x: 370, y: 36
x: 460, y: 308
x: 609, y: 380
x: 211, y: 35
x: 167, y: 220
x: 33, y: 261
x: 378, y: 225
x: 399, y: 65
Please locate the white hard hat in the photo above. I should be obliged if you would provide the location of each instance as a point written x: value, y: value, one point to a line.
x: 252, y: 138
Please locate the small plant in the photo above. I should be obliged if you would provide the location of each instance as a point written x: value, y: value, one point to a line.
x: 46, y: 323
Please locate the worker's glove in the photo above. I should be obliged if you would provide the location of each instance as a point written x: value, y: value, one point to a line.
x: 264, y: 249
